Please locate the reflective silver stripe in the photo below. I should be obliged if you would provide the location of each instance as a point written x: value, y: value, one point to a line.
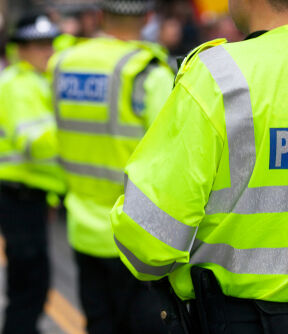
x: 55, y: 86
x: 113, y: 126
x: 26, y: 125
x: 156, y: 221
x: 92, y: 171
x: 86, y: 127
x: 240, y: 133
x: 132, y: 131
x: 139, y: 92
x: 52, y: 161
x: 125, y: 182
x: 113, y: 96
x: 257, y: 261
x: 16, y: 158
x: 99, y: 128
x: 2, y: 133
x: 263, y: 200
x: 140, y: 266
x: 13, y: 158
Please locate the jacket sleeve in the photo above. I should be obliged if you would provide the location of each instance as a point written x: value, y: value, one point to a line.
x: 29, y: 121
x: 158, y: 86
x: 169, y: 179
x: 148, y: 95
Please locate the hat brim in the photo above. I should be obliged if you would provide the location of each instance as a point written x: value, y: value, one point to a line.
x: 30, y: 34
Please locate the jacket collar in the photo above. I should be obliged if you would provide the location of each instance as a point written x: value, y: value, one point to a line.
x: 256, y: 34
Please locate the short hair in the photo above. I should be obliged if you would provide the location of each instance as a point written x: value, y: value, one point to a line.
x: 279, y: 4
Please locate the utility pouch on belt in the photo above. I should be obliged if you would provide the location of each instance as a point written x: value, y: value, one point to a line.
x: 173, y: 311
x: 210, y: 300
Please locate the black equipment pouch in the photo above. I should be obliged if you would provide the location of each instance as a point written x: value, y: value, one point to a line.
x: 173, y: 311
x: 210, y: 301
x: 202, y: 313
x: 273, y: 316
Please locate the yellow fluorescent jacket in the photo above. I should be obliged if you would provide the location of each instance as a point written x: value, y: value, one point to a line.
x: 107, y: 94
x: 208, y: 184
x: 28, y: 145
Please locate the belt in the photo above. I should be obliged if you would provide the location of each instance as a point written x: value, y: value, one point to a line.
x: 20, y: 191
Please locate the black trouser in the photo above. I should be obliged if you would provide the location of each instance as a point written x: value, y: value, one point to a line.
x: 115, y: 302
x: 214, y: 313
x: 23, y: 218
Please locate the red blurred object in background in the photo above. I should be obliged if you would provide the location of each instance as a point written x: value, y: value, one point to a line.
x: 207, y: 9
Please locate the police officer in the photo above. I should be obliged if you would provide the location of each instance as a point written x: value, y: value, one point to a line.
x: 207, y: 187
x: 29, y: 173
x: 108, y: 92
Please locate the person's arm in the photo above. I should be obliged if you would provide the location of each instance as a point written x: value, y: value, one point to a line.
x: 29, y: 122
x: 151, y: 90
x: 169, y: 179
x: 158, y: 87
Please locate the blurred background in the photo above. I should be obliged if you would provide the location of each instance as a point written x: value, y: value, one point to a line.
x: 178, y: 25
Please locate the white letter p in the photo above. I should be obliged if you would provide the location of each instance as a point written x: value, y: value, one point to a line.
x: 282, y: 146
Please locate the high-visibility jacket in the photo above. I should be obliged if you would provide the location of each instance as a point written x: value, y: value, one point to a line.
x: 108, y: 92
x: 66, y: 41
x: 28, y: 143
x: 208, y: 185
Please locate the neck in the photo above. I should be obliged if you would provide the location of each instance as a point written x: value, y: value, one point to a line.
x: 27, y: 59
x: 125, y: 35
x: 31, y: 59
x: 122, y: 27
x: 266, y: 17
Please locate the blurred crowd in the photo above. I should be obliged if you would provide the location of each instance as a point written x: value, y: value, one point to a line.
x: 177, y: 25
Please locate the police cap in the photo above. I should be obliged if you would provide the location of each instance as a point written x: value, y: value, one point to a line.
x: 34, y: 28
x: 127, y: 7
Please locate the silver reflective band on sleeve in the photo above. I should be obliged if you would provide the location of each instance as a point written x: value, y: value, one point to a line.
x: 13, y: 158
x: 92, y: 171
x: 26, y: 125
x: 239, y: 126
x: 113, y: 126
x: 142, y: 267
x: 2, y: 133
x: 157, y: 222
x: 125, y: 182
x: 257, y: 261
x: 241, y: 141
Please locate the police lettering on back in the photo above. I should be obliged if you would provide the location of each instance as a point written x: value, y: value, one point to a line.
x: 83, y: 87
x: 279, y: 148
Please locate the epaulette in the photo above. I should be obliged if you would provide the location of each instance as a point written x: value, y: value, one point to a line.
x: 188, y: 60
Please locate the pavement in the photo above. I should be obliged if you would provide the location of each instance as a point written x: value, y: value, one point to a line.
x: 63, y: 313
